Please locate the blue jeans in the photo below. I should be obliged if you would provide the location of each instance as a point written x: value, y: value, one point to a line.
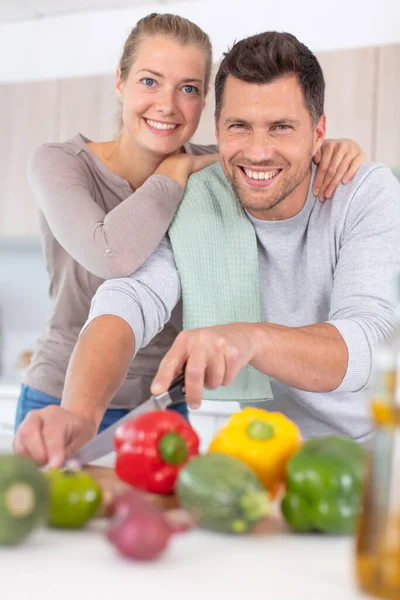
x: 31, y: 399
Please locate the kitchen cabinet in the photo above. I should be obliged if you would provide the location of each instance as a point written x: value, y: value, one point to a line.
x: 350, y: 77
x: 28, y: 118
x: 9, y: 394
x: 87, y: 105
x: 362, y: 88
x: 387, y: 130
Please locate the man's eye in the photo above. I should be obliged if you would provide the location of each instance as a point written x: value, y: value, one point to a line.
x: 282, y: 127
x: 148, y: 81
x: 237, y: 126
x: 190, y: 89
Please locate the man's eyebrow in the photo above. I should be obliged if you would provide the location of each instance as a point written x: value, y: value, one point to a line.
x: 230, y: 120
x: 186, y: 80
x: 284, y: 121
x: 281, y: 121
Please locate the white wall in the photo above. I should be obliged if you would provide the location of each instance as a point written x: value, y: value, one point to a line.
x: 90, y: 43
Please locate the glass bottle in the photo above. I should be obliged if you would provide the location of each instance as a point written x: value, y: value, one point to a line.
x: 378, y: 540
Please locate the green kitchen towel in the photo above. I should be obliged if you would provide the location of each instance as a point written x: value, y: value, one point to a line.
x: 215, y: 249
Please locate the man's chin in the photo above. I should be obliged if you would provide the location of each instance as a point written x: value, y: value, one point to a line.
x: 258, y: 200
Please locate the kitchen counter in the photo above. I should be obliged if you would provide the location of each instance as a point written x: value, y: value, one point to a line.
x: 197, y: 566
x: 274, y: 565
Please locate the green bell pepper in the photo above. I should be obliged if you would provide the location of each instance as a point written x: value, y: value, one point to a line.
x: 75, y: 498
x: 324, y: 485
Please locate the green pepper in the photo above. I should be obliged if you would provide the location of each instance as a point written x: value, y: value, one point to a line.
x: 324, y: 485
x: 75, y: 497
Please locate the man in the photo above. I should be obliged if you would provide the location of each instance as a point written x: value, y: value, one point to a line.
x: 326, y: 271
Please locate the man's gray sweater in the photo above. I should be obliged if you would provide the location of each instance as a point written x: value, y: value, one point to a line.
x: 334, y: 262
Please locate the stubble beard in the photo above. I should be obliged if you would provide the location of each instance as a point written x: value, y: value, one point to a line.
x: 268, y: 200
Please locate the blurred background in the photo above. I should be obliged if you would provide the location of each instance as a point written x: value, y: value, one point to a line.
x: 58, y: 59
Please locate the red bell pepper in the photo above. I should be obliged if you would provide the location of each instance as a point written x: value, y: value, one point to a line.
x: 152, y: 449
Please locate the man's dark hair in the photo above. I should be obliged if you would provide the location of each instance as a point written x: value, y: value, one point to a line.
x: 265, y: 57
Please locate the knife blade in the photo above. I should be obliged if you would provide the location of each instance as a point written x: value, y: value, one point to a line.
x: 103, y: 443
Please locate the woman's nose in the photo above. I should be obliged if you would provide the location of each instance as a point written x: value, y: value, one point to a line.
x: 166, y: 103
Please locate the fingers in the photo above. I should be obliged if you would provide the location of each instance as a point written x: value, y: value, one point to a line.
x: 216, y: 367
x: 42, y: 436
x: 326, y: 156
x: 209, y: 357
x: 339, y: 161
x: 336, y: 170
x: 353, y: 167
x: 29, y: 440
x: 55, y: 429
x: 171, y: 366
x: 194, y: 376
x: 233, y: 366
x: 317, y: 157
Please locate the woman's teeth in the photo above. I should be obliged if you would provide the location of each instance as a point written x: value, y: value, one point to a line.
x: 261, y: 174
x: 157, y: 125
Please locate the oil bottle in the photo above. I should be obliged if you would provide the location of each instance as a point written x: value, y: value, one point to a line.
x: 378, y: 538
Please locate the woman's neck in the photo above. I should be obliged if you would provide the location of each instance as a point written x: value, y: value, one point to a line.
x: 127, y: 160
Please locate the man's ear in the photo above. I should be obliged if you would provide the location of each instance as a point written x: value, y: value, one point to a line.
x: 119, y: 86
x: 216, y: 128
x: 319, y: 134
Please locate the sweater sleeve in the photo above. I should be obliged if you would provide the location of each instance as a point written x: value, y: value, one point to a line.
x: 145, y: 299
x: 362, y: 303
x: 107, y: 245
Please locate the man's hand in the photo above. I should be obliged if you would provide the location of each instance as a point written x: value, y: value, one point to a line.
x: 338, y: 161
x: 52, y: 434
x: 210, y: 357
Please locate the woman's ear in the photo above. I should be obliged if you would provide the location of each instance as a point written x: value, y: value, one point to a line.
x: 119, y: 85
x: 205, y: 97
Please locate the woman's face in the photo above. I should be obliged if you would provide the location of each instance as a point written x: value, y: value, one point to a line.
x: 163, y: 96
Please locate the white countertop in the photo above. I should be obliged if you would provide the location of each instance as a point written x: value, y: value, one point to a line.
x: 199, y: 565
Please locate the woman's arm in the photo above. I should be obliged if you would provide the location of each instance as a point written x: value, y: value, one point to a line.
x: 114, y: 244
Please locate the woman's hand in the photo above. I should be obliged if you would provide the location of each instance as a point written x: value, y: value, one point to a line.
x: 338, y: 161
x: 181, y: 166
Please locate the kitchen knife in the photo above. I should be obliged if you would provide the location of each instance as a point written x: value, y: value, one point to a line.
x: 103, y: 443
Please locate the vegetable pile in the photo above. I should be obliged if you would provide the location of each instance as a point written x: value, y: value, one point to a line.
x: 256, y: 456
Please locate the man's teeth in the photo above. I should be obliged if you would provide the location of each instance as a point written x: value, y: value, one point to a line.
x: 157, y: 125
x: 261, y: 174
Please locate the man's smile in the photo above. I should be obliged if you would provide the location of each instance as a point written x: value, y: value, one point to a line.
x: 259, y: 177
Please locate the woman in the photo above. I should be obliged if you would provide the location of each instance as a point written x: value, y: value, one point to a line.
x: 105, y: 206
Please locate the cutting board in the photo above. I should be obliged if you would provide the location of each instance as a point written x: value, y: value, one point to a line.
x: 112, y: 486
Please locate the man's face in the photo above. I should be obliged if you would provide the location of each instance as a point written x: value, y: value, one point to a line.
x: 266, y: 142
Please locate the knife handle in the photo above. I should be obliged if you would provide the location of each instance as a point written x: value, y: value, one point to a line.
x: 175, y: 391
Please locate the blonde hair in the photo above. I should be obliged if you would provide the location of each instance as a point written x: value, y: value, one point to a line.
x: 171, y: 26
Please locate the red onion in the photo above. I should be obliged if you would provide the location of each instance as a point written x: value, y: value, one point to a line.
x: 140, y: 534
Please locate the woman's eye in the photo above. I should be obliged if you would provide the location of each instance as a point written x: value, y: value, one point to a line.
x: 148, y: 81
x: 190, y: 89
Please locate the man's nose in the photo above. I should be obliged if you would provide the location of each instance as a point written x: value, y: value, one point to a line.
x: 166, y: 102
x: 259, y: 148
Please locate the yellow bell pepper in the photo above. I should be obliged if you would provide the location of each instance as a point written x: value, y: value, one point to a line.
x: 264, y: 440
